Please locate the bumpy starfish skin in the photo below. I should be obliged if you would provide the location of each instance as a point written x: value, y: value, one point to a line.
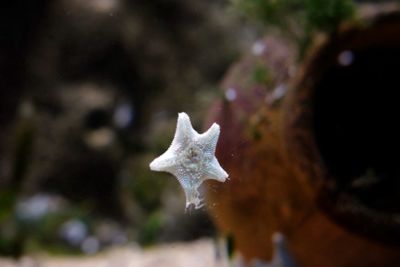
x: 191, y: 159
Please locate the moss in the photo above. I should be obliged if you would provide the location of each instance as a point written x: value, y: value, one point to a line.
x: 230, y: 245
x: 7, y: 200
x: 24, y: 137
x: 269, y: 11
x: 146, y: 187
x: 150, y: 230
x: 327, y: 14
x: 317, y: 14
x: 296, y: 18
x: 261, y: 75
x: 9, y: 239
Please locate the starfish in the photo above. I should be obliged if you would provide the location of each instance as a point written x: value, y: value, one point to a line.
x: 191, y: 158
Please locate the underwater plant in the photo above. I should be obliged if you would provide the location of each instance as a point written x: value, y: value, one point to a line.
x: 300, y: 20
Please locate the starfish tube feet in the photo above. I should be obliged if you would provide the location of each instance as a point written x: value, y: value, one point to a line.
x: 193, y: 198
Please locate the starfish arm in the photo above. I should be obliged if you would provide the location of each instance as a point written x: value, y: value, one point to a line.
x: 164, y: 163
x: 210, y: 138
x: 214, y: 171
x: 184, y: 131
x: 191, y: 188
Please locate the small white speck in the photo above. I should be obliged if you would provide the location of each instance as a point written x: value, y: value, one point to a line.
x: 258, y: 48
x: 231, y: 94
x: 277, y: 94
x: 279, y: 91
x: 346, y: 58
x: 123, y: 115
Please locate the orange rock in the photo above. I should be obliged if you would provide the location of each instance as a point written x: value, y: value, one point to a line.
x: 281, y: 179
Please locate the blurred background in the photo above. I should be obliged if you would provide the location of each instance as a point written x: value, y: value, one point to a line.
x: 90, y: 91
x: 90, y: 95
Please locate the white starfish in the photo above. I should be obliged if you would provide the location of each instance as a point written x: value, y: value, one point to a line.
x: 191, y: 158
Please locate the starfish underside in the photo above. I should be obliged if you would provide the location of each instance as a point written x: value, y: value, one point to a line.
x: 191, y: 158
